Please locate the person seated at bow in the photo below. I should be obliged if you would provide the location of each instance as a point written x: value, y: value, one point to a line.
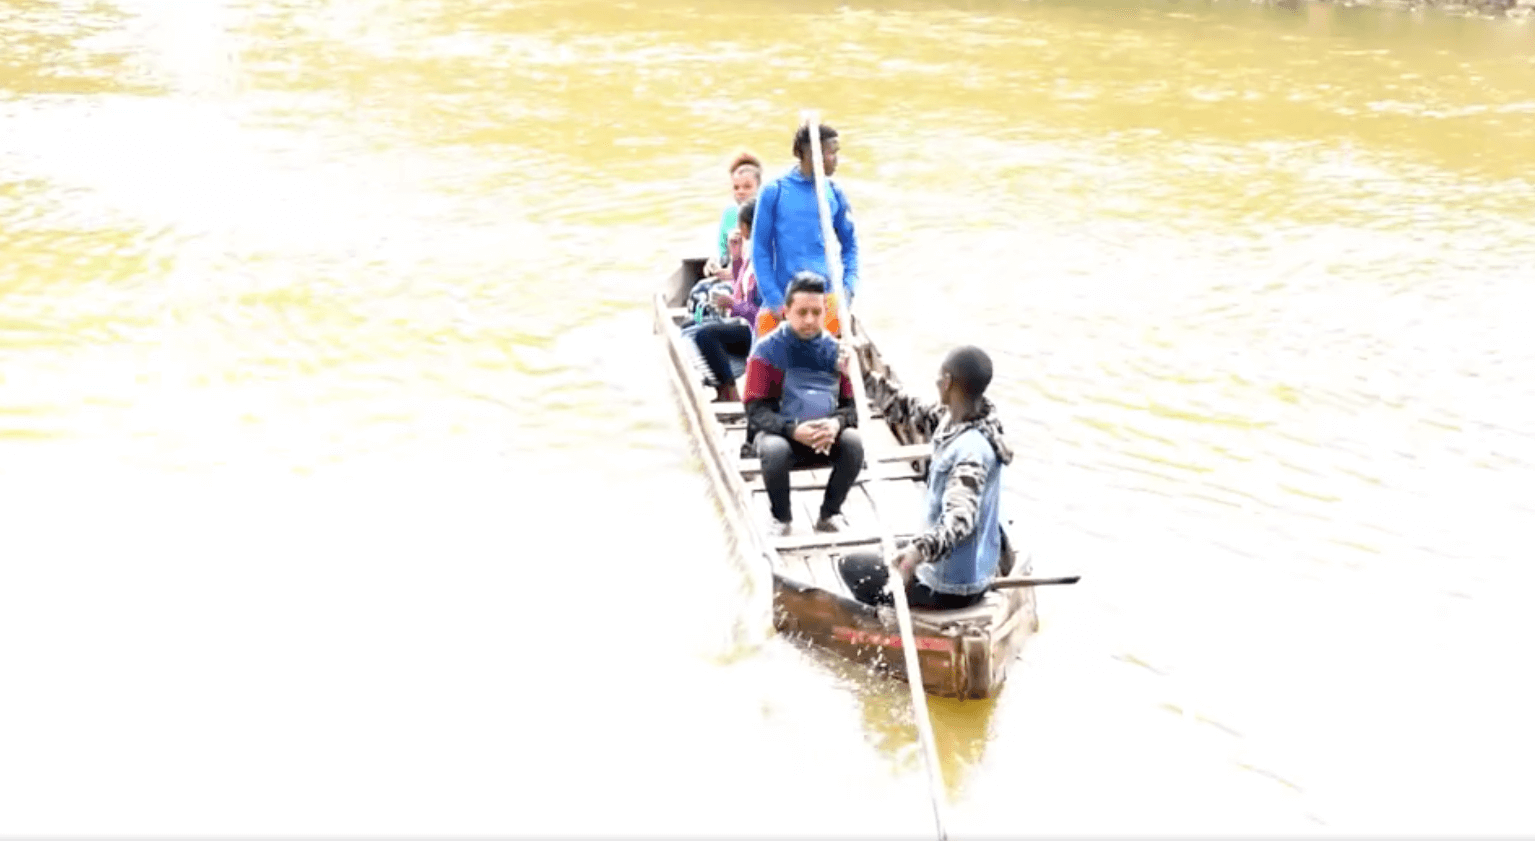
x: 799, y: 407
x: 952, y: 563
x: 725, y: 312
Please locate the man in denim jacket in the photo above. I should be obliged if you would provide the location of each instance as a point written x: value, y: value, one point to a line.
x: 952, y: 563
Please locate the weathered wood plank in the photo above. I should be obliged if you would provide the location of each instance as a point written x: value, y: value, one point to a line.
x: 860, y: 514
x: 738, y: 410
x: 816, y: 539
x: 807, y: 507
x: 731, y: 440
x: 796, y: 565
x: 912, y: 452
x: 801, y: 480
x: 829, y: 573
x: 900, y: 503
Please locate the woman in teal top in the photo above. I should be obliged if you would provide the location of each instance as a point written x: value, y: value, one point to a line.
x: 745, y: 180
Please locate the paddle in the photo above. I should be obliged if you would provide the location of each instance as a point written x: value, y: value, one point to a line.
x: 887, y: 541
x: 1004, y: 583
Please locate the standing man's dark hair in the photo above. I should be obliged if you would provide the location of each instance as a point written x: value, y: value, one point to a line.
x: 802, y: 139
x: 789, y: 235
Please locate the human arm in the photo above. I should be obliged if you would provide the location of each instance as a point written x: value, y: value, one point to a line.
x: 762, y: 393
x: 842, y: 223
x: 768, y: 285
x: 727, y: 224
x: 961, y: 501
x: 898, y: 407
x: 721, y: 299
x: 847, y: 410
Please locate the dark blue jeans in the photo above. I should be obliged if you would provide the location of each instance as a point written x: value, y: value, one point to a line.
x: 716, y: 339
x: 779, y: 455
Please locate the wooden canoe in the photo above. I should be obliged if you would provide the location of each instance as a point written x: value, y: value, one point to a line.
x: 962, y: 653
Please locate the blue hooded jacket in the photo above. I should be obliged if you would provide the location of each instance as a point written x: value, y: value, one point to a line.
x: 786, y: 236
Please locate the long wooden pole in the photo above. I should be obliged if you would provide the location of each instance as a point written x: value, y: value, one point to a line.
x: 887, y: 540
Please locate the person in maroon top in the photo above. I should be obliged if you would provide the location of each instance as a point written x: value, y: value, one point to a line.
x: 799, y: 407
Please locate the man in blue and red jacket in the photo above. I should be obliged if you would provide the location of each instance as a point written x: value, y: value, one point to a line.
x: 799, y: 407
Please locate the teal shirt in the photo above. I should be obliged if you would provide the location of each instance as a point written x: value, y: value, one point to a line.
x: 727, y: 224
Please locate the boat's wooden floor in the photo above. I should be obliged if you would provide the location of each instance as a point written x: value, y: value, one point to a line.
x: 886, y: 493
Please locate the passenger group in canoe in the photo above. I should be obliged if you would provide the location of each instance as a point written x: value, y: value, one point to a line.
x: 765, y: 297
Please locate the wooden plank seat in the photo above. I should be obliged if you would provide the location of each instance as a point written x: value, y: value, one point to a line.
x: 739, y: 423
x: 731, y: 410
x: 815, y: 478
x: 750, y: 467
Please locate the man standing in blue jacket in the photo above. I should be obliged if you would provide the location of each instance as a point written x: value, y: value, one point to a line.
x: 787, y: 236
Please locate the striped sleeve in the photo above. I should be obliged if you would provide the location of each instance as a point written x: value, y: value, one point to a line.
x: 961, y: 508
x: 900, y: 408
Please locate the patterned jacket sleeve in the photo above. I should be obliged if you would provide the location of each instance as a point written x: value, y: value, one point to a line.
x: 961, y: 507
x: 900, y: 408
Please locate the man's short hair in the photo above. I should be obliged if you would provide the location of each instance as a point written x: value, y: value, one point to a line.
x: 804, y: 282
x: 802, y: 138
x: 970, y: 368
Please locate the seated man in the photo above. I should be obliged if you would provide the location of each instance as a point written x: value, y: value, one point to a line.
x: 799, y: 407
x: 953, y: 562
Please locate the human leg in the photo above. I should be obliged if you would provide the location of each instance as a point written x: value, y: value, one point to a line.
x: 847, y: 462
x: 711, y: 347
x: 776, y: 456
x: 736, y: 336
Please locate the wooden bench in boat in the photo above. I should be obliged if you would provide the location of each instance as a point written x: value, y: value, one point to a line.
x: 821, y: 540
x: 912, y: 452
x: 732, y: 416
x: 805, y: 480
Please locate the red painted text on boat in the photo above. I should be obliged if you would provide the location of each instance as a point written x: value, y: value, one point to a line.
x: 857, y: 637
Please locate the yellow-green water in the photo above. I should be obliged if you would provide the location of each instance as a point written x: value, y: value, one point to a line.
x: 342, y: 490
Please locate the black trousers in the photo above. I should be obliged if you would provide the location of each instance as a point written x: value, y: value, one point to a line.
x: 716, y: 339
x: 779, y: 455
x: 867, y: 575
